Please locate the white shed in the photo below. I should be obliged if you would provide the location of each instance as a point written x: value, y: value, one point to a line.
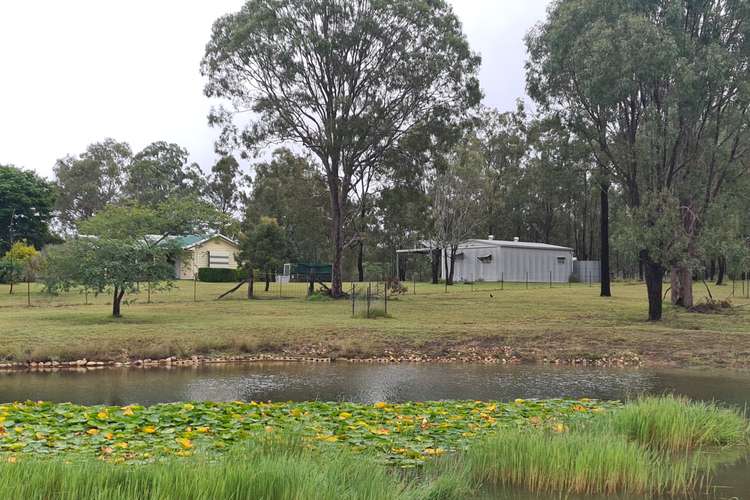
x: 496, y: 260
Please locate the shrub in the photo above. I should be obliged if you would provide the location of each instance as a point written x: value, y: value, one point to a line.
x: 217, y: 275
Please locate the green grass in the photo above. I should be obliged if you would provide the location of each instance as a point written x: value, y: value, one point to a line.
x: 653, y: 446
x: 674, y: 424
x: 562, y: 322
x: 276, y: 470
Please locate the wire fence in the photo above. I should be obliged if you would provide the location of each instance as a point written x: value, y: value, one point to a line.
x: 373, y: 295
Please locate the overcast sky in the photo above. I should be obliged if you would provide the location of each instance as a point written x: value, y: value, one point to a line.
x: 74, y: 72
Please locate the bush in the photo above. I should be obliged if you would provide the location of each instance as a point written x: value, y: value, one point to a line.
x: 217, y: 275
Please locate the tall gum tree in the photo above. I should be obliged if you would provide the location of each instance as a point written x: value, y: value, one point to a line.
x: 345, y: 79
x: 660, y: 90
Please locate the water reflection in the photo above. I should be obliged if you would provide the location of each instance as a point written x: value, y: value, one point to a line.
x: 367, y: 383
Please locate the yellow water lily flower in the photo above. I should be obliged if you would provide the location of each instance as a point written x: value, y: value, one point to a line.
x: 39, y: 436
x: 122, y: 445
x: 93, y: 431
x: 108, y: 435
x: 127, y: 411
x: 185, y: 443
x: 149, y: 429
x: 18, y: 429
x: 344, y: 415
x: 380, y: 404
x: 202, y: 430
x: 434, y: 451
x: 188, y: 407
x: 269, y: 428
x: 519, y: 401
x: 381, y: 432
x: 102, y: 415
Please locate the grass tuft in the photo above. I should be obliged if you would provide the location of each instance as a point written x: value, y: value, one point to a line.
x: 674, y: 424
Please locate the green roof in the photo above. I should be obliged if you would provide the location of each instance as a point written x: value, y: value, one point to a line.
x: 190, y: 239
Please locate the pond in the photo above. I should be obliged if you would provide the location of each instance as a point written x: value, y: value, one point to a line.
x: 368, y: 383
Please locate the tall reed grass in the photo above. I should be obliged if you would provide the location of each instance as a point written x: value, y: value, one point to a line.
x: 284, y: 473
x: 674, y: 424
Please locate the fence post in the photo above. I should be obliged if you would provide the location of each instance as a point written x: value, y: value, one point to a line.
x: 354, y: 297
x: 28, y: 293
x: 502, y: 280
x: 148, y: 300
x: 195, y: 288
x: 385, y: 298
x: 550, y: 279
x: 369, y: 295
x: 414, y: 284
x: 527, y: 280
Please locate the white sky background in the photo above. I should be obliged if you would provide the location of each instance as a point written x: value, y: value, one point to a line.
x: 74, y: 72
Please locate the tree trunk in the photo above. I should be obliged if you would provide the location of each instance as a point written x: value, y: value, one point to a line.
x: 360, y: 261
x: 250, y: 283
x: 722, y: 270
x: 682, y: 286
x: 116, y: 302
x: 640, y: 270
x: 268, y: 280
x: 11, y: 286
x: 606, y: 290
x: 654, y: 274
x: 452, y: 264
x: 712, y: 270
x: 337, y: 239
x: 435, y: 266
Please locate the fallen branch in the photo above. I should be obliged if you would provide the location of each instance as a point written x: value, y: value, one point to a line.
x: 232, y: 290
x: 708, y: 290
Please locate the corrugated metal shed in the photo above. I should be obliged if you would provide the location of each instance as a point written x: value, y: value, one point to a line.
x: 519, y: 261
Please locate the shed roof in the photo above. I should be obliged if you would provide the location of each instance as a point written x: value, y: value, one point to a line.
x: 187, y: 241
x: 512, y: 244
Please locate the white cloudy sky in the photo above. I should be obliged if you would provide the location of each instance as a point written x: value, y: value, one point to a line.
x: 76, y: 71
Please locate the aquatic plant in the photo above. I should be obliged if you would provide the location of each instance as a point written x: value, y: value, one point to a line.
x: 404, y: 434
x: 675, y: 424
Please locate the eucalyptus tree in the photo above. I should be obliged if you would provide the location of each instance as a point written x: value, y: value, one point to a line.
x: 344, y: 79
x: 659, y: 88
x: 224, y: 186
x: 89, y: 182
x: 160, y: 171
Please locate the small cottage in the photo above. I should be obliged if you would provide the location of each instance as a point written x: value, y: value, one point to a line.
x: 210, y: 250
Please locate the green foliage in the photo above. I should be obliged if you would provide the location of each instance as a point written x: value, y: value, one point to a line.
x: 264, y: 246
x: 224, y: 185
x: 91, y: 181
x: 271, y: 469
x: 26, y: 202
x: 160, y: 172
x: 217, y: 275
x: 19, y: 263
x: 291, y: 190
x: 103, y: 265
x: 674, y: 425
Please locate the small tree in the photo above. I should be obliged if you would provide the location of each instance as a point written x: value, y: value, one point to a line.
x: 125, y: 246
x: 107, y: 266
x: 264, y: 246
x: 16, y: 265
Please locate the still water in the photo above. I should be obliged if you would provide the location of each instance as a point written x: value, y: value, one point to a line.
x: 368, y: 383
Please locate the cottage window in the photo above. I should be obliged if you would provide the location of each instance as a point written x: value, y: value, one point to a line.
x: 561, y: 260
x: 485, y: 259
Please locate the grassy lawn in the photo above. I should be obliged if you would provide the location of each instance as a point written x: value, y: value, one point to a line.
x: 469, y: 321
